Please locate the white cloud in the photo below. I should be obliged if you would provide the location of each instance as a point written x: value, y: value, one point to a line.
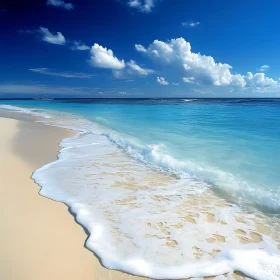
x: 238, y: 80
x: 47, y: 36
x: 60, y: 3
x: 190, y: 23
x: 79, y: 46
x: 259, y: 80
x: 175, y: 84
x: 162, y: 81
x: 49, y: 72
x: 140, y: 48
x: 189, y: 80
x: 104, y: 58
x: 132, y: 68
x: 264, y: 68
x: 177, y: 55
x: 144, y: 6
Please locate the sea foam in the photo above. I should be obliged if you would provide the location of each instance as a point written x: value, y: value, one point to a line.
x: 146, y: 222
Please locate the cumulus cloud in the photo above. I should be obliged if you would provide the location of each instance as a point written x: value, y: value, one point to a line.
x: 162, y: 81
x: 264, y: 68
x: 104, y: 58
x: 46, y: 71
x: 190, y: 23
x: 238, y: 80
x: 144, y: 6
x: 61, y: 4
x: 259, y: 80
x: 48, y: 37
x: 198, y: 68
x: 79, y: 46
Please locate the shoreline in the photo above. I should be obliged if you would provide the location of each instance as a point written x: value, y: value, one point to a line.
x: 40, y: 238
x: 94, y: 269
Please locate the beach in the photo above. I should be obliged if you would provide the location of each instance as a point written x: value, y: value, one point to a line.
x: 139, y: 140
x: 39, y: 237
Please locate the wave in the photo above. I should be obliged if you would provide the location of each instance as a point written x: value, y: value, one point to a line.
x: 225, y: 183
x: 173, y: 236
x: 189, y: 100
x: 29, y: 111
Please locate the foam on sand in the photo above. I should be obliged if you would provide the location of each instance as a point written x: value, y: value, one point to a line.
x: 150, y: 224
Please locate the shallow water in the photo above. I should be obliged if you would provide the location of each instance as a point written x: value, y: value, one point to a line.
x: 171, y: 188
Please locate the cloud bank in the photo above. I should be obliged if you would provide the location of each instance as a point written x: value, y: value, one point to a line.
x: 197, y: 68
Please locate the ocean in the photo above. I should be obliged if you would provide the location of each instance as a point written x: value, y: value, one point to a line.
x: 169, y: 188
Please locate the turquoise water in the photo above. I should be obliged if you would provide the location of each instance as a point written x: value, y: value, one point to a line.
x: 234, y: 145
x: 170, y: 188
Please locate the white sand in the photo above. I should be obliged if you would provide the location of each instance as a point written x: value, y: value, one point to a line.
x: 39, y: 238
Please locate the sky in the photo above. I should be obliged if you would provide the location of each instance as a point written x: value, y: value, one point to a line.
x: 139, y: 48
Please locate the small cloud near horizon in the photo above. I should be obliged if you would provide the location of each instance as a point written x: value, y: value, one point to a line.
x: 162, y: 81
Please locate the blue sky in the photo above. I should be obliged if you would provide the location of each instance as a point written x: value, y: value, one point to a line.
x: 140, y: 48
